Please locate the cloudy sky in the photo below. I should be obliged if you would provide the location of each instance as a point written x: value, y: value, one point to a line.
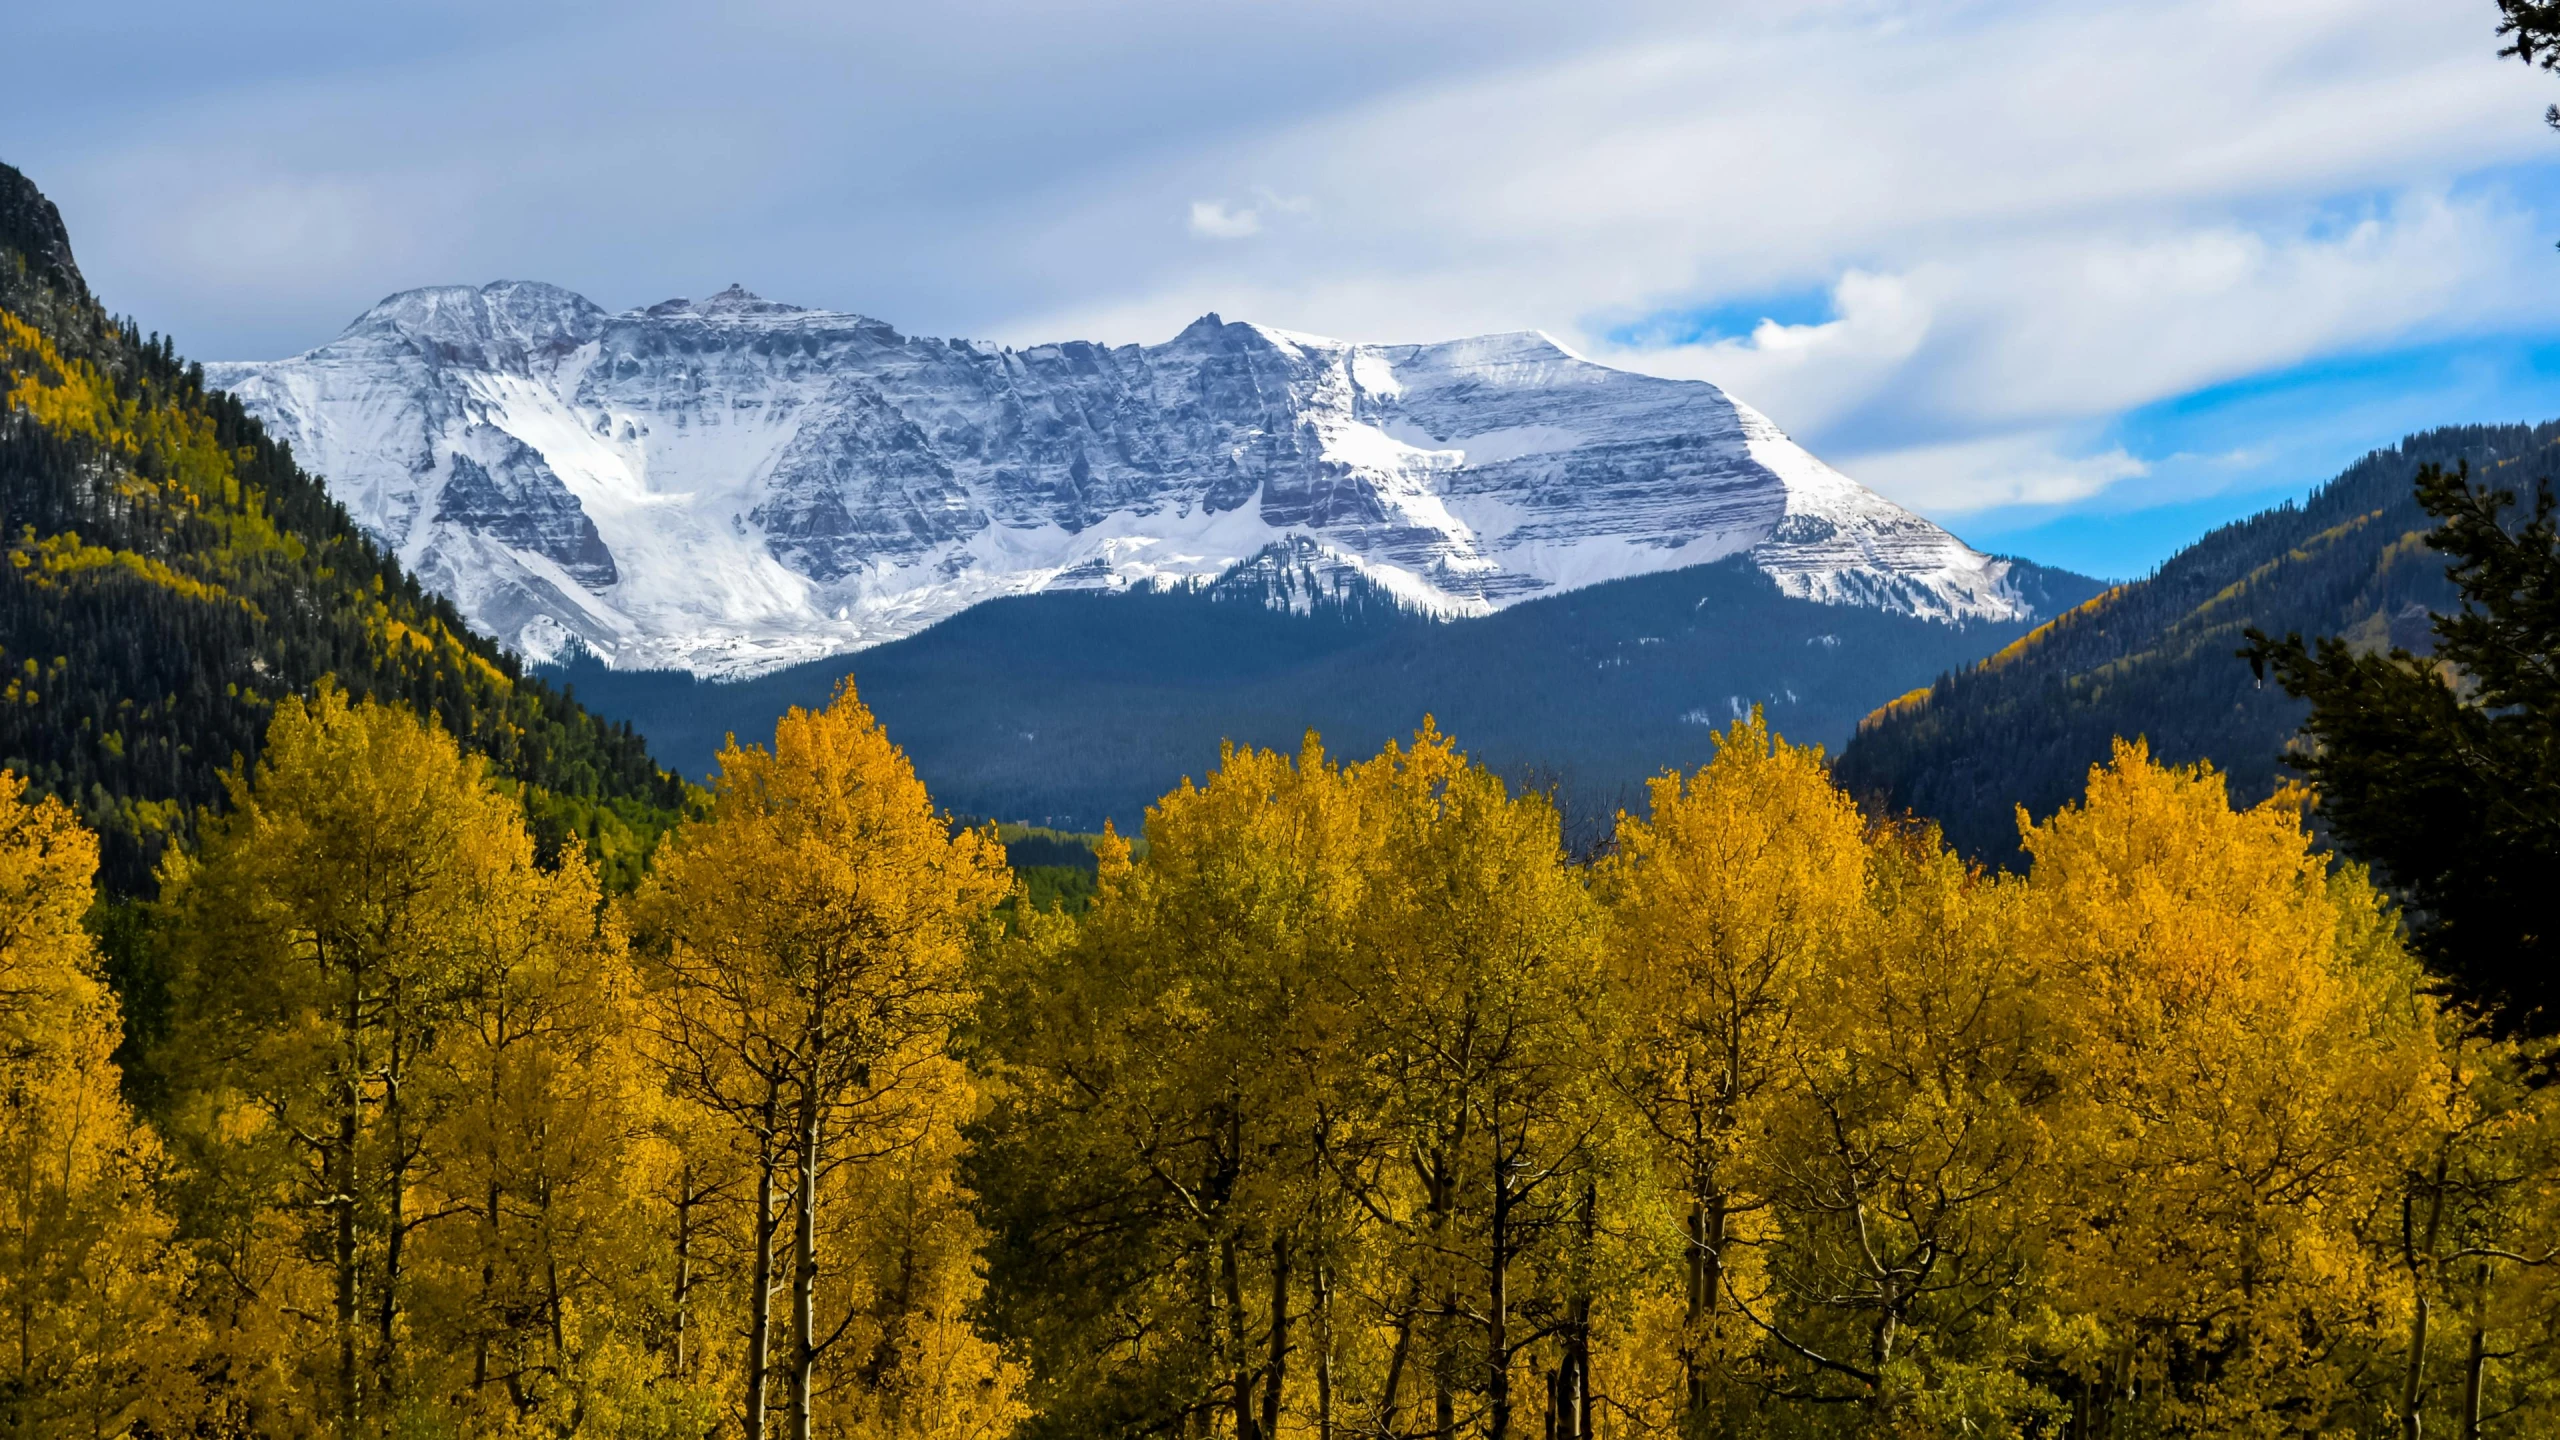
x: 2080, y: 279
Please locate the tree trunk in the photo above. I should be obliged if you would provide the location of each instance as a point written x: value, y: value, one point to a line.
x: 1573, y: 1399
x: 1393, y: 1394
x: 2475, y: 1366
x: 685, y: 1201
x: 341, y: 1168
x: 395, y: 1200
x: 2422, y: 1304
x: 1324, y: 1352
x: 1707, y: 1221
x: 1442, y: 1384
x: 1444, y: 1345
x: 1578, y: 1342
x: 804, y: 1274
x: 1497, y: 1310
x: 1881, y: 1400
x: 488, y: 1289
x: 760, y: 1291
x: 1273, y: 1377
x: 1198, y: 1416
x: 1444, y: 1393
x: 1239, y: 1384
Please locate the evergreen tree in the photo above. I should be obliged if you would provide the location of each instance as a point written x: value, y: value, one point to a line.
x: 2532, y: 32
x: 171, y: 576
x: 2444, y: 770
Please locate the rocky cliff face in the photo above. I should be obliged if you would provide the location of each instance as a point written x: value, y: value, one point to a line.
x: 729, y: 485
x: 30, y: 225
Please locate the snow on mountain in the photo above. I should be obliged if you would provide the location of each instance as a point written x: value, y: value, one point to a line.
x: 730, y: 485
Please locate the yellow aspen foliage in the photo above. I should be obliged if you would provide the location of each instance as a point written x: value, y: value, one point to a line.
x: 2249, y: 1065
x: 92, y: 1341
x: 541, y: 1284
x: 2477, y: 1246
x: 1175, y: 1063
x: 1906, y: 1169
x: 808, y: 946
x: 1743, y: 885
x: 1469, y: 967
x: 399, y: 1087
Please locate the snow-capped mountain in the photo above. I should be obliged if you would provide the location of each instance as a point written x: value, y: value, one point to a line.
x: 731, y: 485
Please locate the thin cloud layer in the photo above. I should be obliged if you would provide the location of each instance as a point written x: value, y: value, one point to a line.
x: 2015, y: 223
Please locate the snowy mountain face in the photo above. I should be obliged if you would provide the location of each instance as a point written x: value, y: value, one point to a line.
x: 731, y: 485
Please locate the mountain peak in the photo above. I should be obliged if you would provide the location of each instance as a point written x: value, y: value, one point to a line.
x: 496, y: 325
x: 32, y: 226
x: 736, y: 300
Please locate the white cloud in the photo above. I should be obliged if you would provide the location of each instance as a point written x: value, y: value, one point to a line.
x: 2035, y: 331
x: 2029, y: 218
x: 2029, y: 215
x: 2030, y: 468
x: 1212, y: 220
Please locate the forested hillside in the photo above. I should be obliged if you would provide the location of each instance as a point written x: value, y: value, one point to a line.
x: 171, y: 574
x: 1070, y: 709
x: 2158, y: 658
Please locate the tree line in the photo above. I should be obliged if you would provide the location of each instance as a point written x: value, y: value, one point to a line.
x: 1359, y: 1107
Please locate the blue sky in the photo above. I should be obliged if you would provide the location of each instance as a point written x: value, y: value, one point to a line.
x: 2078, y: 279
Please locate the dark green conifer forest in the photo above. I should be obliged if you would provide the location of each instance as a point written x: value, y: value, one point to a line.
x: 2158, y: 658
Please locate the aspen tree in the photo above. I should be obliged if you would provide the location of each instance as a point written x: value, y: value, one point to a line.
x: 323, y: 951
x: 91, y: 1342
x: 2249, y: 1062
x: 1477, y: 949
x: 544, y: 1279
x: 1741, y: 887
x: 809, y: 942
x: 1244, y: 878
x: 1906, y: 1168
x: 1169, y: 1068
x: 2477, y: 1238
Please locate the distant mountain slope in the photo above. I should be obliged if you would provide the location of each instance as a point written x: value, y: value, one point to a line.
x: 2156, y: 658
x: 170, y: 575
x: 1065, y: 709
x: 731, y: 485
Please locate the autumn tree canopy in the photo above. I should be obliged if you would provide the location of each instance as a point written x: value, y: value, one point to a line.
x: 1352, y: 1105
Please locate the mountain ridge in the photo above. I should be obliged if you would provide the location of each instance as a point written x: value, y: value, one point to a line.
x: 731, y: 484
x: 2157, y: 658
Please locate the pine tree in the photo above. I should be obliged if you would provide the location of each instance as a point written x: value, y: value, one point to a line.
x: 2444, y: 771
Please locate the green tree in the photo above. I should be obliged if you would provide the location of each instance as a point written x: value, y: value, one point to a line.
x: 2532, y: 31
x: 2443, y: 771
